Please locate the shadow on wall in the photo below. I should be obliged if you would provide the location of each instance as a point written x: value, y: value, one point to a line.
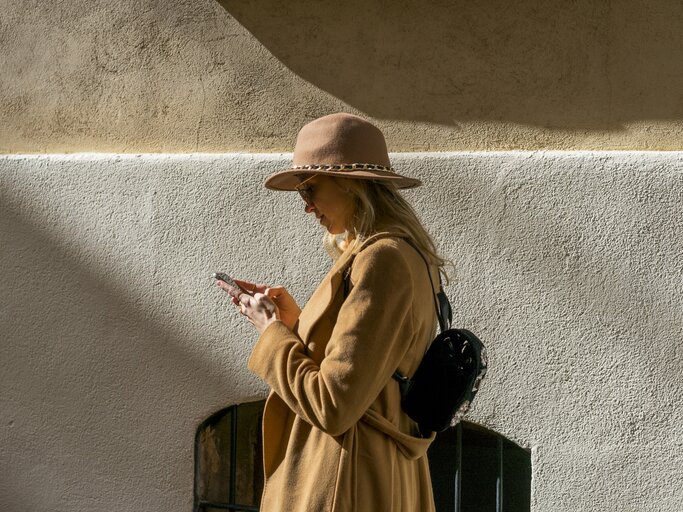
x: 87, y: 361
x: 580, y: 64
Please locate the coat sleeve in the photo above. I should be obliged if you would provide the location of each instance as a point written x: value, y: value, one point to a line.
x: 372, y: 334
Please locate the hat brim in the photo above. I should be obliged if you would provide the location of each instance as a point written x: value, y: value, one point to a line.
x: 288, y: 179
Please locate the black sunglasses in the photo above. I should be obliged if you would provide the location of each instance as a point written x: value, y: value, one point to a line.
x: 305, y: 192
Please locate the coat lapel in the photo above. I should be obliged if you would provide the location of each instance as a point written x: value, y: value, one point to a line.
x: 323, y: 296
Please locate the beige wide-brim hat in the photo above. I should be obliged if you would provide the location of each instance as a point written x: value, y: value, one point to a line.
x: 339, y: 145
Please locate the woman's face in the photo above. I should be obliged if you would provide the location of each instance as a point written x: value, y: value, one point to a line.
x: 330, y: 203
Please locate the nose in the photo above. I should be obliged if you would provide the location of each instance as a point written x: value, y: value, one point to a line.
x: 309, y: 207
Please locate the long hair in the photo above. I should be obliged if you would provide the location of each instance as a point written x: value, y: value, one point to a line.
x: 379, y: 206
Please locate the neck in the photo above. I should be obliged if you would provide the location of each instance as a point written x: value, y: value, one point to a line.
x: 345, y: 243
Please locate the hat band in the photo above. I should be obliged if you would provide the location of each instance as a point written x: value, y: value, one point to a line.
x: 343, y: 167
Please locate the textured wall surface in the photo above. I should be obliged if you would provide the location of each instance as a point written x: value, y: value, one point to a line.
x: 116, y: 345
x: 200, y: 75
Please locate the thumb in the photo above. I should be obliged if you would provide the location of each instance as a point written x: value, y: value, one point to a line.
x: 273, y: 292
x: 252, y: 287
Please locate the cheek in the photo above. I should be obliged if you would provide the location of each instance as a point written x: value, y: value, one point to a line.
x: 349, y: 209
x: 340, y: 206
x: 333, y: 203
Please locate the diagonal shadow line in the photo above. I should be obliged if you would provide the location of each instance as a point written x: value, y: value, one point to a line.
x: 570, y: 66
x: 87, y: 347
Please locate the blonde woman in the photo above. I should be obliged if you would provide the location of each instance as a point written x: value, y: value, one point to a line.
x: 334, y: 435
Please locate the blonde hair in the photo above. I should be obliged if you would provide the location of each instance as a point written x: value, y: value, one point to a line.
x: 379, y: 206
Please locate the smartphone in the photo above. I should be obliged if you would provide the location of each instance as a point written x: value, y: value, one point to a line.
x: 227, y: 279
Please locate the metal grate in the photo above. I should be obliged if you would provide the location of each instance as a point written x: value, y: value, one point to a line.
x: 228, y: 462
x: 476, y: 470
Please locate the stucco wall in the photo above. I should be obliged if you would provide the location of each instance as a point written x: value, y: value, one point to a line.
x: 116, y: 345
x: 201, y: 75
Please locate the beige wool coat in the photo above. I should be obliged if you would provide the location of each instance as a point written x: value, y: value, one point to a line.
x: 334, y: 435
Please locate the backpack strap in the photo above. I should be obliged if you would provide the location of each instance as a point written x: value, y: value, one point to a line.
x: 443, y: 306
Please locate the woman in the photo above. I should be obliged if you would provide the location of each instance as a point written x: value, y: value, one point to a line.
x: 334, y: 435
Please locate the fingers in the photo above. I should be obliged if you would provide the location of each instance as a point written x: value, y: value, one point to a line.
x: 274, y: 292
x: 252, y: 287
x: 252, y: 301
x: 234, y: 292
x: 249, y: 304
x: 261, y: 287
x: 244, y: 302
x: 265, y: 303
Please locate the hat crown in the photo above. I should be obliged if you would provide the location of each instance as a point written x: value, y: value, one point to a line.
x: 340, y: 139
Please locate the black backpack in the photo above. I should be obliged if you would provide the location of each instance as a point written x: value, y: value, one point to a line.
x: 449, y: 375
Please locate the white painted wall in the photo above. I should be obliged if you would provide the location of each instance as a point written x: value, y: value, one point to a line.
x: 114, y: 344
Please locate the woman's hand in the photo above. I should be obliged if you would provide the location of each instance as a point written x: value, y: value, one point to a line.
x: 286, y: 308
x: 258, y: 308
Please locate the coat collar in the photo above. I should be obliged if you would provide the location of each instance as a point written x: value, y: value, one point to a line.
x: 323, y: 296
